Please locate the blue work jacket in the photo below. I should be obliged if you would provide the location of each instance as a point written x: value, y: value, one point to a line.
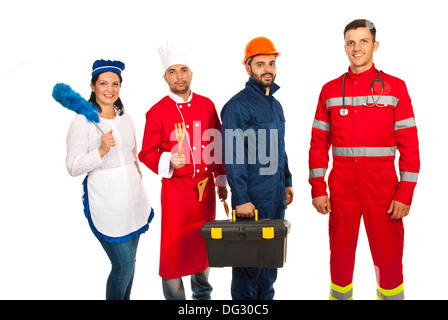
x: 253, y: 135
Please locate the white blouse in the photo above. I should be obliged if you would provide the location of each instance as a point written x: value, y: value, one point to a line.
x: 84, y: 139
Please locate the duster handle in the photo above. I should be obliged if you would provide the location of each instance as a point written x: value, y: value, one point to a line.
x: 98, y: 127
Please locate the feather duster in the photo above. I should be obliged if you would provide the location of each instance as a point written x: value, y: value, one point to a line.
x: 72, y: 100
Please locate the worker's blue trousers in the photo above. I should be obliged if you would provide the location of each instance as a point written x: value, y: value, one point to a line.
x: 253, y: 283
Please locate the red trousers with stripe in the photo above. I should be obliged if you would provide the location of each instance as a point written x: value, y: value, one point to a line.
x: 364, y: 187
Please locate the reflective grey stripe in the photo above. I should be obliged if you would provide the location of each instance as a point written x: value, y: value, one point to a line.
x: 403, y: 124
x: 383, y: 101
x: 398, y: 296
x: 321, y: 125
x: 364, y: 152
x: 408, y: 176
x: 317, y: 173
x: 341, y: 296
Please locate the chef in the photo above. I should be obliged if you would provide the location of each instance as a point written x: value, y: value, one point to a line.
x: 181, y: 135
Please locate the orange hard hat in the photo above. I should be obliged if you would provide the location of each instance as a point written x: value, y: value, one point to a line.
x: 260, y: 45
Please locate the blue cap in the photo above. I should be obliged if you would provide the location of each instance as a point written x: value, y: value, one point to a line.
x: 100, y: 66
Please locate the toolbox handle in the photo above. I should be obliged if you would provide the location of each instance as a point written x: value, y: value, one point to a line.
x: 255, y: 215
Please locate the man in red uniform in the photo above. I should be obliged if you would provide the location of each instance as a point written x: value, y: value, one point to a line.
x: 188, y: 185
x: 365, y: 115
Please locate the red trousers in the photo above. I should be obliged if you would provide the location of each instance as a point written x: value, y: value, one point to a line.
x: 364, y: 187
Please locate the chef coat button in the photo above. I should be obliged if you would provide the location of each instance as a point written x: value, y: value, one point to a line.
x: 206, y: 168
x: 203, y: 146
x: 197, y: 124
x: 197, y: 170
x: 180, y: 106
x: 188, y: 126
x: 189, y: 104
x: 194, y: 148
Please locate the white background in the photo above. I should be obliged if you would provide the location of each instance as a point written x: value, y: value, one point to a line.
x: 47, y: 248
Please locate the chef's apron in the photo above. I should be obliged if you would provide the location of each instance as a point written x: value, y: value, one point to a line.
x: 116, y: 204
x: 182, y: 248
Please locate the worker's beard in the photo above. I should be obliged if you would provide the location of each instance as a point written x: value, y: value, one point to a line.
x: 259, y: 79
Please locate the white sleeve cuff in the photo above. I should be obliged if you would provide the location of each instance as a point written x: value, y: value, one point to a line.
x: 221, y: 181
x: 164, y: 169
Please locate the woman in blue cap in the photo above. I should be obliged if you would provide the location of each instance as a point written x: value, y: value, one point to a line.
x: 115, y: 202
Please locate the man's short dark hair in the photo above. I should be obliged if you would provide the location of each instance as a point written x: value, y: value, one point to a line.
x: 249, y: 60
x: 361, y: 23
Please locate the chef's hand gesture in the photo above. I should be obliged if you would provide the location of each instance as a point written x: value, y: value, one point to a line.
x: 177, y: 161
x: 107, y: 141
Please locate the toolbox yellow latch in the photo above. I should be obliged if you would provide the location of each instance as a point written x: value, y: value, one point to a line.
x: 216, y: 233
x: 268, y: 232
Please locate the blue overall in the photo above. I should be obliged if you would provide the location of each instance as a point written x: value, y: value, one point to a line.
x: 257, y: 171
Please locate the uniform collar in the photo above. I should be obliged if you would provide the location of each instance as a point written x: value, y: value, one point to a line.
x: 364, y: 74
x: 252, y: 84
x: 178, y: 99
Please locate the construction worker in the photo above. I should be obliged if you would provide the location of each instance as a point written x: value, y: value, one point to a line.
x: 257, y: 182
x: 365, y: 115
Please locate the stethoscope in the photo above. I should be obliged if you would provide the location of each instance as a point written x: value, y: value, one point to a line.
x: 344, y: 110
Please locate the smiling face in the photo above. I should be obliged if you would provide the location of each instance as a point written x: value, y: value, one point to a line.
x: 262, y: 69
x: 359, y: 47
x: 106, y: 89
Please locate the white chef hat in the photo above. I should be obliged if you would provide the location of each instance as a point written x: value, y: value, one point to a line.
x: 174, y: 52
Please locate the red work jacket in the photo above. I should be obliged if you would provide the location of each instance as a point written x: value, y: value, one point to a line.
x: 366, y: 131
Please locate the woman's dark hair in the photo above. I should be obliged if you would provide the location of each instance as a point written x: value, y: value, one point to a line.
x: 117, y: 105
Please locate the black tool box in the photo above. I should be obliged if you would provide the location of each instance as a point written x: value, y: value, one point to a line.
x: 246, y: 242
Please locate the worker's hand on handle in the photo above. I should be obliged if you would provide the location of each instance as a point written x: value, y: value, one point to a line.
x: 322, y: 204
x: 107, y: 141
x: 177, y: 161
x: 398, y: 210
x: 245, y: 210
